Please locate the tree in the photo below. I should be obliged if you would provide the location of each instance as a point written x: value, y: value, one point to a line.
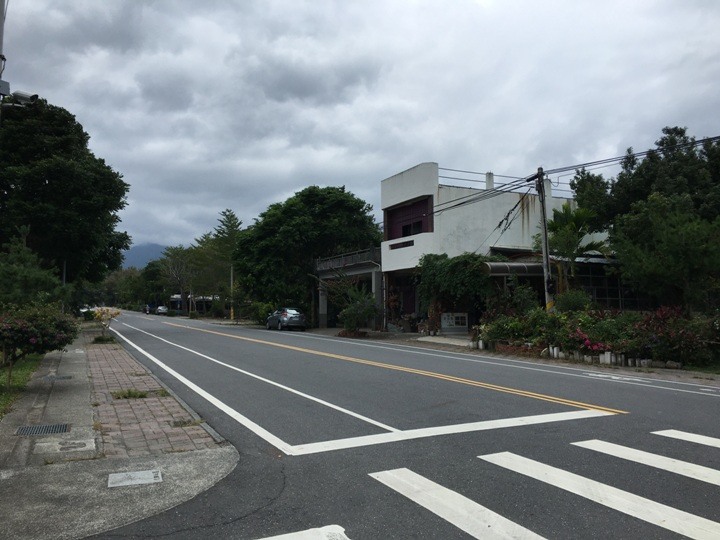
x: 669, y: 251
x: 661, y: 213
x: 212, y: 256
x: 568, y: 238
x: 177, y: 269
x: 275, y: 257
x: 22, y: 279
x: 592, y: 192
x: 51, y: 183
x: 444, y: 282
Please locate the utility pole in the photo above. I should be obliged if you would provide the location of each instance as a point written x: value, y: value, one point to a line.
x: 548, y: 283
x: 4, y: 85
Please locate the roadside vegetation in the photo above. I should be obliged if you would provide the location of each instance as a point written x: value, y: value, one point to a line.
x: 19, y: 379
x: 661, y: 221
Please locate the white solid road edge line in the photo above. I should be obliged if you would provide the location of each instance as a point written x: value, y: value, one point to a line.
x: 465, y: 514
x: 690, y: 437
x: 273, y: 383
x: 647, y: 510
x: 252, y: 426
x: 675, y: 466
x: 367, y: 440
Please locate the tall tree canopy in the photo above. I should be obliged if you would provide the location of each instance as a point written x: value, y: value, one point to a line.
x: 53, y: 185
x: 663, y: 217
x: 275, y: 257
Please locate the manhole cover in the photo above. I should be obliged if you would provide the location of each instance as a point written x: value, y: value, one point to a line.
x: 47, y: 429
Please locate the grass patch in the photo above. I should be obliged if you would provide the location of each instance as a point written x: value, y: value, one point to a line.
x: 130, y: 393
x: 104, y: 339
x: 185, y: 423
x: 21, y: 374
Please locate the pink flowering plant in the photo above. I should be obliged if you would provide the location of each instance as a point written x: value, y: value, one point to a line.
x: 33, y: 329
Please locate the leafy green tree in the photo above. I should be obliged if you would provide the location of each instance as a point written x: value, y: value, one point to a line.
x: 568, y: 238
x: 177, y: 270
x: 53, y: 185
x: 275, y: 257
x: 212, y: 256
x: 22, y: 278
x: 446, y: 282
x: 592, y: 192
x: 665, y: 247
x: 652, y: 210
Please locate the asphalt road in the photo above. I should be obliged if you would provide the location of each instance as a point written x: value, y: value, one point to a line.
x: 393, y: 441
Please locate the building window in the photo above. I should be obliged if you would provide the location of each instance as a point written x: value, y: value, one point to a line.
x: 410, y: 219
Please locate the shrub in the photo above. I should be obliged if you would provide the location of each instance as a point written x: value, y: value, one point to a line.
x: 359, y: 310
x: 259, y: 311
x: 572, y: 300
x: 33, y: 329
x: 194, y: 315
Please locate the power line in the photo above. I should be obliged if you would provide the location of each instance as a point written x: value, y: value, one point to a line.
x: 618, y: 159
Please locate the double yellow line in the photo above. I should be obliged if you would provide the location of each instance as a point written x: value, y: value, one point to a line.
x: 434, y: 375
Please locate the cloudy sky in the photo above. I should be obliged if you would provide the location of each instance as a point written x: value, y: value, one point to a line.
x: 207, y: 105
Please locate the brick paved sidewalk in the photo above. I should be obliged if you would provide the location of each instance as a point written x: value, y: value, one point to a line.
x: 151, y: 425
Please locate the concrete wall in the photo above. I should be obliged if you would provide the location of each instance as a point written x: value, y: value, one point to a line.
x: 468, y: 228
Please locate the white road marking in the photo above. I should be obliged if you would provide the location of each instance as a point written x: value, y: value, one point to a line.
x: 382, y: 438
x: 690, y: 437
x: 467, y: 515
x: 331, y: 532
x: 691, y: 470
x: 232, y: 413
x: 273, y: 383
x: 530, y: 366
x: 647, y: 510
x: 339, y: 444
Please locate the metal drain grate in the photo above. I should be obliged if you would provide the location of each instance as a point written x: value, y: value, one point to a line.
x: 48, y: 429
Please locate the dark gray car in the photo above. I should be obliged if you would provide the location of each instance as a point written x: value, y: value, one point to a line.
x: 286, y: 317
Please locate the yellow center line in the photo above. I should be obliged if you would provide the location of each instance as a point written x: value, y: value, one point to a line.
x: 435, y: 375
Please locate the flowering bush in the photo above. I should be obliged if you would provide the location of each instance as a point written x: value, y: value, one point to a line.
x: 104, y: 315
x: 664, y: 334
x: 33, y: 329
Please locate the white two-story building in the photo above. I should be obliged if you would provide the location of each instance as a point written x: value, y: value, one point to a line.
x: 423, y: 216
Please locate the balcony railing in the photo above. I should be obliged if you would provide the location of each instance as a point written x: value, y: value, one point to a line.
x: 345, y: 260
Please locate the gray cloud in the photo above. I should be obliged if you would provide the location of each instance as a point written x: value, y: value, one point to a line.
x: 221, y: 104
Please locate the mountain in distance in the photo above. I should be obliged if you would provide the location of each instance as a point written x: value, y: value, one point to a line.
x: 138, y: 256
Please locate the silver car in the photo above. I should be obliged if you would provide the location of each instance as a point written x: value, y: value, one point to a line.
x: 286, y: 317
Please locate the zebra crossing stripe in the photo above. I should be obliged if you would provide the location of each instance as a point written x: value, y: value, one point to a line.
x: 467, y: 515
x: 696, y: 472
x: 690, y: 437
x: 645, y: 509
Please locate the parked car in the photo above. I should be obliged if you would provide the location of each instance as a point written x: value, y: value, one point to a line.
x: 161, y: 310
x: 286, y: 317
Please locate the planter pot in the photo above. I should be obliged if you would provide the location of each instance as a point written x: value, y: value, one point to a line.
x: 606, y: 358
x: 481, y: 344
x: 588, y: 359
x: 631, y: 362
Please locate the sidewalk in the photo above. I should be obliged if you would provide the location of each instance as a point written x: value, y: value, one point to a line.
x: 76, y: 460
